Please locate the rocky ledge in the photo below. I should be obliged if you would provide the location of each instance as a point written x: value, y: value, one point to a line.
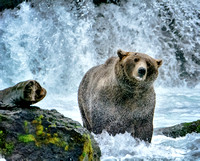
x: 31, y: 133
x: 179, y: 130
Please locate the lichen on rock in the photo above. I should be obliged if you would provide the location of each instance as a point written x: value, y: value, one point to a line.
x: 26, y: 138
x: 87, y: 149
x: 180, y: 130
x: 6, y: 147
x: 36, y: 134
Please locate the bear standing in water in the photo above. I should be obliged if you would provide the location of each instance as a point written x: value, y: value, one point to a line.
x: 119, y: 96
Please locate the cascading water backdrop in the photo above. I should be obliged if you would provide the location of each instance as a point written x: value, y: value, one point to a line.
x: 56, y: 42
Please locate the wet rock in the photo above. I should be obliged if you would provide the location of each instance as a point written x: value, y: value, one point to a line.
x: 180, y: 129
x: 9, y: 4
x: 35, y: 134
x: 98, y: 2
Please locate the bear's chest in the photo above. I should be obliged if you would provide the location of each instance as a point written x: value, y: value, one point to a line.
x: 115, y: 104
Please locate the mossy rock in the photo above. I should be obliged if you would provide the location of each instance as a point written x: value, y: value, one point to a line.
x: 35, y: 134
x: 180, y: 130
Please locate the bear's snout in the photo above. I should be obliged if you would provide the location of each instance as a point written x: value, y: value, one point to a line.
x: 141, y: 72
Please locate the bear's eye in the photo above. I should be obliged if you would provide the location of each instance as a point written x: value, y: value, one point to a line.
x: 136, y: 60
x: 148, y: 64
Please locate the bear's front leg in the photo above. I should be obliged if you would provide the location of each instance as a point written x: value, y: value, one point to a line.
x: 144, y: 130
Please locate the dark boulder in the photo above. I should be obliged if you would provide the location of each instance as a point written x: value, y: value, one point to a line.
x: 5, y: 4
x: 35, y: 134
x: 98, y: 2
x: 11, y: 4
x: 180, y: 129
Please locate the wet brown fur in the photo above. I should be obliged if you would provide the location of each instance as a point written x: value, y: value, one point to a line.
x: 111, y: 99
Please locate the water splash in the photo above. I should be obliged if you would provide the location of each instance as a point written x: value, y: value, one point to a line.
x: 47, y: 46
x: 125, y: 147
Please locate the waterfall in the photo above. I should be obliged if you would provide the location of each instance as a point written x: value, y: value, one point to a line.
x: 56, y: 42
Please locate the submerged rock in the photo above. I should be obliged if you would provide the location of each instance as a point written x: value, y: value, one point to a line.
x: 9, y: 4
x: 98, y: 2
x: 180, y: 129
x: 35, y: 134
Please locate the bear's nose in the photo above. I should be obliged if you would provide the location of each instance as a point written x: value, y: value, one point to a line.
x: 141, y: 71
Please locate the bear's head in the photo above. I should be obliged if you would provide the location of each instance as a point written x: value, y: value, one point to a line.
x: 138, y: 67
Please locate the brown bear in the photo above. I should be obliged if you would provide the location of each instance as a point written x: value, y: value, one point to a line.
x: 119, y: 96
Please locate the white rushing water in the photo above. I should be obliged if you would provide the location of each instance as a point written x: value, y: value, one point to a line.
x: 56, y: 42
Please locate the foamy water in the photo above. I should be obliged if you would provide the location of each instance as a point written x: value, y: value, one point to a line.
x: 124, y: 147
x: 173, y: 106
x: 56, y: 42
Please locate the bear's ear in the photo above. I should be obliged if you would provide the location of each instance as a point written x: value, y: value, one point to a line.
x: 121, y: 53
x: 159, y: 62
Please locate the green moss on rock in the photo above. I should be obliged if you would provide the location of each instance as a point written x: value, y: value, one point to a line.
x: 191, y: 127
x: 26, y: 126
x: 41, y: 136
x: 2, y: 138
x: 87, y: 149
x: 25, y: 132
x: 26, y: 138
x: 6, y: 148
x: 181, y: 130
x: 9, y: 148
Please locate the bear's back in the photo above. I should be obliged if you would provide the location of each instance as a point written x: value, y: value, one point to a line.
x: 97, y: 76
